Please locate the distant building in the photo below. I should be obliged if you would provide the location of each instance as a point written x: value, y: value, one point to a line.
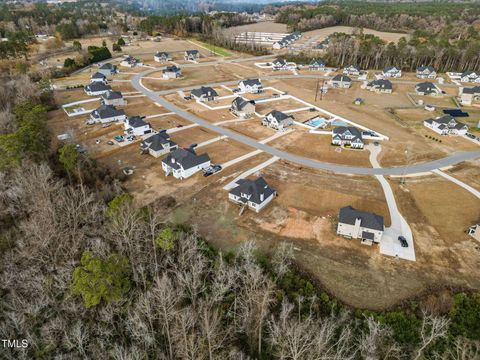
x: 470, y: 76
x: 162, y: 57
x: 341, y: 81
x: 277, y: 120
x: 96, y: 88
x: 427, y: 88
x: 347, y: 136
x: 183, y: 163
x: 136, y: 125
x: 426, y: 72
x: 250, y: 86
x: 171, y: 72
x: 317, y: 65
x: 352, y: 70
x: 355, y: 224
x: 107, y: 69
x: 204, y: 93
x: 255, y: 194
x: 446, y: 125
x: 113, y: 98
x: 158, y: 144
x: 191, y: 55
x: 469, y: 95
x: 380, y: 86
x: 392, y: 71
x: 107, y: 113
x: 243, y: 108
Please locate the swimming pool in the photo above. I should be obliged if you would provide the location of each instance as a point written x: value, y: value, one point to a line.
x: 316, y: 122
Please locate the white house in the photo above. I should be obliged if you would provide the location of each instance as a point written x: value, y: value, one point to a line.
x: 281, y: 64
x: 107, y: 113
x: 136, y: 125
x: 426, y: 72
x: 392, y: 71
x: 427, y: 88
x: 317, y: 65
x: 474, y: 231
x: 352, y: 70
x: 162, y: 57
x: 253, y: 86
x: 113, y: 98
x: 107, y: 69
x: 183, y: 163
x: 243, y: 108
x: 277, y: 120
x: 255, y: 194
x: 355, y: 224
x: 204, y: 93
x: 191, y: 55
x: 171, y: 72
x: 380, y: 86
x: 341, y: 81
x: 158, y: 144
x: 98, y: 77
x: 469, y: 95
x: 96, y: 88
x: 470, y: 76
x: 347, y: 136
x: 446, y: 125
x: 130, y: 61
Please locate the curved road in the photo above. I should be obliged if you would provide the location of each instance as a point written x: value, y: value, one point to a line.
x: 418, y: 168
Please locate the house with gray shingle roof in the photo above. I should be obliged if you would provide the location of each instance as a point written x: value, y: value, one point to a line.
x: 191, y: 55
x: 341, y: 81
x: 158, y: 144
x: 107, y: 113
x: 446, y: 125
x: 469, y: 95
x: 253, y: 86
x: 242, y: 108
x: 392, y: 71
x: 426, y: 72
x: 108, y: 69
x: 98, y: 77
x: 474, y: 231
x: 317, y: 65
x: 113, y: 98
x: 352, y: 70
x: 256, y: 194
x: 183, y: 163
x: 427, y: 88
x: 380, y: 86
x: 162, y: 56
x: 171, y: 72
x: 204, y: 93
x: 277, y: 120
x: 470, y: 76
x: 136, y: 125
x: 356, y: 224
x: 96, y: 88
x: 347, y: 136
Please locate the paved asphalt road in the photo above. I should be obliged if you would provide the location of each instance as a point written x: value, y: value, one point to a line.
x: 418, y: 168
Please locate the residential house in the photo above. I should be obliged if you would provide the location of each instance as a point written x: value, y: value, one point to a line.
x: 392, y: 71
x: 356, y: 224
x: 98, y: 77
x: 341, y: 81
x: 162, y: 57
x: 113, y: 98
x: 347, y: 136
x: 171, y: 72
x: 426, y: 72
x: 191, y: 55
x: 470, y: 76
x: 255, y: 194
x: 158, y: 144
x: 277, y: 120
x: 183, y: 163
x: 427, y: 88
x: 204, y: 93
x: 130, y: 61
x: 352, y: 70
x: 317, y: 65
x: 474, y: 231
x: 380, y: 86
x: 96, y: 88
x: 136, y: 125
x: 107, y: 113
x: 469, y: 95
x: 446, y: 125
x: 281, y: 64
x: 253, y: 86
x: 242, y: 108
x: 108, y: 69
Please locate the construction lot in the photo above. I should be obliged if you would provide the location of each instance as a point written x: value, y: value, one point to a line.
x: 306, y: 209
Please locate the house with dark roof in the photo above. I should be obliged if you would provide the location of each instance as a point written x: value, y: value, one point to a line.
x: 380, y: 86
x: 136, y: 125
x: 96, y: 88
x: 277, y: 120
x: 474, y: 231
x: 161, y: 57
x: 191, y: 55
x: 426, y: 72
x: 183, y: 163
x: 256, y: 194
x: 253, y: 86
x: 392, y: 71
x: 446, y: 125
x: 281, y: 64
x: 171, y: 72
x: 98, y: 77
x: 204, y: 93
x: 158, y: 144
x: 347, y: 136
x: 352, y: 70
x: 470, y: 76
x: 427, y: 88
x: 340, y: 81
x: 356, y: 224
x: 113, y: 98
x: 108, y: 69
x: 107, y: 113
x: 317, y: 65
x: 469, y: 95
x: 242, y: 108
x: 130, y: 61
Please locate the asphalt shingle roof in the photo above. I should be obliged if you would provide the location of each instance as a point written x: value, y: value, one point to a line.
x: 348, y: 215
x: 185, y: 158
x: 253, y: 189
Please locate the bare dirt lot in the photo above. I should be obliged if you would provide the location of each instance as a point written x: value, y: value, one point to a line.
x: 325, y: 32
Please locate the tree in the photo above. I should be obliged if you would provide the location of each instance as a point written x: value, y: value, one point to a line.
x: 104, y: 43
x: 166, y: 239
x: 121, y: 42
x: 96, y: 279
x: 116, y: 48
x: 68, y: 156
x: 98, y: 53
x: 69, y: 63
x: 77, y: 45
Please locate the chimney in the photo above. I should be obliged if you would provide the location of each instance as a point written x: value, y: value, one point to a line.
x: 262, y: 196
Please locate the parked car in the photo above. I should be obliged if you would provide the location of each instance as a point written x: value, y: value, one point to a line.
x: 187, y: 98
x: 235, y: 90
x: 131, y: 137
x: 179, y: 125
x: 212, y: 170
x: 110, y: 142
x: 119, y: 138
x: 90, y: 122
x: 403, y: 241
x: 471, y: 136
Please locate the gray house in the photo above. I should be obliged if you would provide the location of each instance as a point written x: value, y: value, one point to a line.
x: 355, y: 224
x: 380, y: 86
x: 136, y: 125
x: 96, y: 88
x: 277, y: 120
x: 108, y: 69
x: 470, y: 76
x: 191, y: 55
x: 158, y: 144
x: 347, y: 136
x: 446, y: 125
x: 107, y: 113
x: 171, y: 72
x: 98, y: 77
x: 352, y: 70
x: 341, y: 81
x: 183, y: 163
x: 317, y: 65
x: 392, y: 71
x: 162, y: 56
x: 242, y: 108
x: 427, y: 88
x: 113, y: 98
x: 204, y: 93
x: 426, y: 72
x: 255, y: 194
x: 469, y: 95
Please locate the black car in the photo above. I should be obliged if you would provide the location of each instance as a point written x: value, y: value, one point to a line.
x: 212, y: 170
x: 403, y: 241
x: 187, y: 98
x: 471, y: 136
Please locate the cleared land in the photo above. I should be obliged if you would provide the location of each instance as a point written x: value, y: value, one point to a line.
x: 323, y: 33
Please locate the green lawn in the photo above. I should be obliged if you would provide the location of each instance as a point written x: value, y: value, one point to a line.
x: 217, y: 50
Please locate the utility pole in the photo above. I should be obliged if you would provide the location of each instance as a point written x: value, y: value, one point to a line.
x: 316, y: 90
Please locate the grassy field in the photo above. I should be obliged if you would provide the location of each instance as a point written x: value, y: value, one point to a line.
x: 215, y: 49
